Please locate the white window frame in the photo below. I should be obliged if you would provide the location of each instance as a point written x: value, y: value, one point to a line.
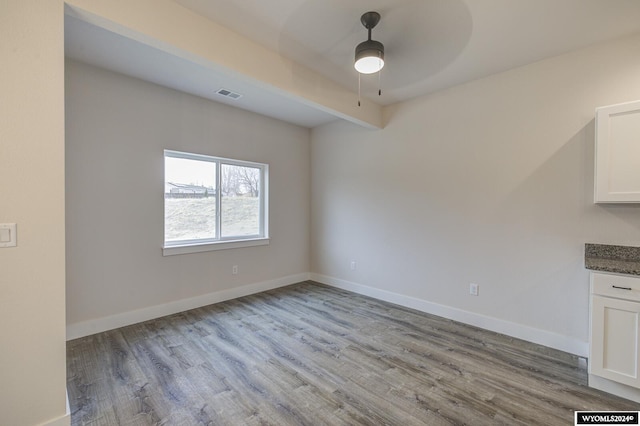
x: 221, y: 243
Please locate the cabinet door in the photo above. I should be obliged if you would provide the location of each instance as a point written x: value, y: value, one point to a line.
x: 615, y: 327
x: 617, y: 175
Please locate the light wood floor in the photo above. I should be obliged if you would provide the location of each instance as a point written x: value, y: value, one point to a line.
x: 308, y: 354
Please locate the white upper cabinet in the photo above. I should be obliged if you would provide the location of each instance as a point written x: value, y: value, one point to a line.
x: 617, y: 175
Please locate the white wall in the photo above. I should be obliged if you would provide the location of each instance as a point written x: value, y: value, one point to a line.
x: 32, y: 275
x: 117, y: 128
x: 489, y: 182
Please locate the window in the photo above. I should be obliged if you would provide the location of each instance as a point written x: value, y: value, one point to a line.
x: 212, y: 203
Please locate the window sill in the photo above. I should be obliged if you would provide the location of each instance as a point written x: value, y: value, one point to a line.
x: 218, y: 245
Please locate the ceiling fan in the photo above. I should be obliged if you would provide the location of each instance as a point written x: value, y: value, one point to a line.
x: 369, y: 57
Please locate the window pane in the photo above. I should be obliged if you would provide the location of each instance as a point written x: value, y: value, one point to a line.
x: 189, y: 199
x: 240, y: 189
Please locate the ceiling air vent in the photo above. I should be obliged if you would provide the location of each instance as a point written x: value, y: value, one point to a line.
x: 229, y: 94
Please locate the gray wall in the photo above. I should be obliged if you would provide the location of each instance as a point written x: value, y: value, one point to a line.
x: 489, y: 182
x: 117, y: 128
x: 32, y: 275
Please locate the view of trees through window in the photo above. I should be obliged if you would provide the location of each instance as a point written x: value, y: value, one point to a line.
x: 194, y: 209
x: 240, y: 189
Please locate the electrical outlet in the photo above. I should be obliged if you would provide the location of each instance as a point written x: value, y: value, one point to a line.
x: 474, y: 289
x: 353, y: 265
x: 234, y: 270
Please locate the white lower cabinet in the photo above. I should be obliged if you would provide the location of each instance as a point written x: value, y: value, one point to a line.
x: 614, y: 349
x: 615, y: 340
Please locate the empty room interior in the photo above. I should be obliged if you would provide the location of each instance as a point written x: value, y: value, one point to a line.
x: 320, y: 212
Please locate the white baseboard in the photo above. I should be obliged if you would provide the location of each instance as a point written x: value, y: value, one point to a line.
x: 542, y: 337
x: 98, y: 325
x: 614, y: 388
x: 62, y: 421
x: 535, y: 335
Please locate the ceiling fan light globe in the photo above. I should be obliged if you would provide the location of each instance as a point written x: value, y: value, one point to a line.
x: 369, y: 57
x: 369, y: 64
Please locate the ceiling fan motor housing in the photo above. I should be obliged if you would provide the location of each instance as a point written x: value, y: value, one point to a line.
x: 370, y: 48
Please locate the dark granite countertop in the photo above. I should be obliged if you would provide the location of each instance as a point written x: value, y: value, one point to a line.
x: 611, y: 258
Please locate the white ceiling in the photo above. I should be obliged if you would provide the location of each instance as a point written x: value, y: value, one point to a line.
x: 429, y: 44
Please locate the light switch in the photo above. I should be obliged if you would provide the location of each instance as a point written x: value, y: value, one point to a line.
x: 8, y: 236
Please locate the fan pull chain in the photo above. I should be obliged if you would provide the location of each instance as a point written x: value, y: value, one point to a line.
x: 358, y: 89
x: 379, y: 85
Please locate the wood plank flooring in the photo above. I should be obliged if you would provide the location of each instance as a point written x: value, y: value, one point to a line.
x: 308, y: 354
